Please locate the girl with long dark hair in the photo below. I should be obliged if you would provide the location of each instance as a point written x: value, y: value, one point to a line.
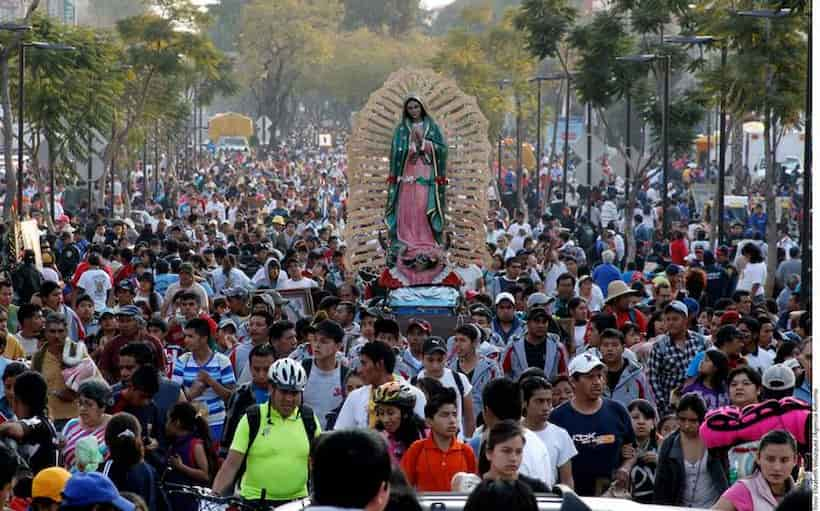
x: 645, y: 454
x: 396, y: 419
x: 711, y: 382
x: 191, y: 456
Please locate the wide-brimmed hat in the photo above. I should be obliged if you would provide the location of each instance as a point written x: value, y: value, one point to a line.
x: 617, y: 289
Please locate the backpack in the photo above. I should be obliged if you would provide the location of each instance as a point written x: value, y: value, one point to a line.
x: 255, y: 420
x: 307, y: 364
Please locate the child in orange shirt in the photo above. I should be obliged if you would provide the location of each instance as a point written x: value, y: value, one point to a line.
x: 431, y: 463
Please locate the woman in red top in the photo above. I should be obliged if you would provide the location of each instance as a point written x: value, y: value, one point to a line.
x: 678, y: 249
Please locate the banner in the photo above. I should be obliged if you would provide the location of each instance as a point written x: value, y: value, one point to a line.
x: 576, y: 131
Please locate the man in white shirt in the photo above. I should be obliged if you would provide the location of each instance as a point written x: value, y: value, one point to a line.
x: 377, y: 362
x: 502, y: 400
x: 519, y: 224
x: 96, y: 282
x: 435, y: 361
x: 295, y: 278
x: 187, y: 283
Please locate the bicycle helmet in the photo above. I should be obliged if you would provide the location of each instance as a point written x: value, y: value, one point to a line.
x: 396, y: 394
x: 287, y: 374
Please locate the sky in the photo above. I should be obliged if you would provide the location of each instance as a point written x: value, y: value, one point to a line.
x: 426, y: 4
x: 432, y: 4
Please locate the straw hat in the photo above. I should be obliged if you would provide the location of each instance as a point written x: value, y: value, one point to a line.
x: 617, y: 289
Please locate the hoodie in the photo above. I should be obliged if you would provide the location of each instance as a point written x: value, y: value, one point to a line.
x: 632, y: 385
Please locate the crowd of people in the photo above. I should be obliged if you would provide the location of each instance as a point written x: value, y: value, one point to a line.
x: 164, y: 352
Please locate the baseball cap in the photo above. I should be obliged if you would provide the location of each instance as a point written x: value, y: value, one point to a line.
x: 729, y: 318
x: 274, y: 296
x: 433, y: 345
x: 504, y: 296
x: 537, y: 313
x: 235, y: 292
x: 677, y: 306
x: 93, y: 488
x: 792, y: 364
x: 125, y: 284
x: 692, y: 305
x: 673, y: 269
x: 228, y: 322
x: 186, y: 268
x: 778, y: 377
x: 49, y: 483
x: 584, y: 363
x: 106, y: 312
x: 536, y: 299
x: 424, y: 325
x: 128, y: 310
x: 481, y: 310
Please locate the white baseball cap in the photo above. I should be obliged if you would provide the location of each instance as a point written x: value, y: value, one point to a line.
x: 504, y: 296
x: 584, y: 363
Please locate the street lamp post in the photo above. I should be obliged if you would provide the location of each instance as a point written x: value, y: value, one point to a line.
x: 565, y: 166
x: 21, y: 99
x: 501, y: 83
x: 700, y: 41
x: 721, y: 151
x: 805, y: 227
x: 646, y: 58
x: 14, y: 27
x: 768, y: 15
x: 538, y: 80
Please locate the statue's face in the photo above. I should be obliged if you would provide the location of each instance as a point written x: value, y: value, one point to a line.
x: 414, y: 110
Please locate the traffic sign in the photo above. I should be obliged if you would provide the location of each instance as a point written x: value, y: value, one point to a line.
x: 263, y: 126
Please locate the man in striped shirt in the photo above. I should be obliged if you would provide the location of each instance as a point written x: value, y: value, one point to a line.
x: 207, y: 378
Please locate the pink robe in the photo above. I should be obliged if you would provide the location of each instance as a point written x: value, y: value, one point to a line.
x: 413, y: 228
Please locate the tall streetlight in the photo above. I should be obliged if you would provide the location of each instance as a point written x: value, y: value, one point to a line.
x: 538, y: 80
x: 646, y: 58
x: 700, y: 41
x: 15, y: 27
x: 21, y: 99
x: 501, y: 84
x: 805, y: 227
x: 565, y: 163
x: 768, y: 15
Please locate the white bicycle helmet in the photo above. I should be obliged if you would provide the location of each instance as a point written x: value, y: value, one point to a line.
x: 288, y: 374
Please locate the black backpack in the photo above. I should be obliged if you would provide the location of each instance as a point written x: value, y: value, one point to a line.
x: 68, y: 260
x: 254, y: 422
x: 307, y: 364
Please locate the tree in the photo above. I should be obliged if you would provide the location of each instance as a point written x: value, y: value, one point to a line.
x: 106, y: 13
x: 6, y: 51
x: 281, y: 41
x: 345, y: 83
x: 477, y: 60
x: 164, y: 49
x: 494, y: 66
x: 59, y: 106
x: 765, y: 74
x: 227, y: 15
x: 397, y: 17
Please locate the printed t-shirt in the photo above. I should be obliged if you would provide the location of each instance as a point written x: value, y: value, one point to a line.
x: 598, y: 437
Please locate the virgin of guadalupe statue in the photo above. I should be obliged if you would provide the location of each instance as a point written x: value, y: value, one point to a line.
x: 415, y: 200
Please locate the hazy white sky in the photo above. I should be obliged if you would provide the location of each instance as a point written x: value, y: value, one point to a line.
x: 432, y: 4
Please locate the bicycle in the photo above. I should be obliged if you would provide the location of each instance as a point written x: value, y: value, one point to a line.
x: 208, y: 500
